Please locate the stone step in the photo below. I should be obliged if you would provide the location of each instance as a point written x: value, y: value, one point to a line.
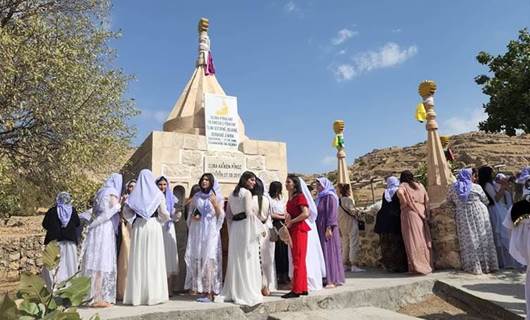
x: 361, y: 313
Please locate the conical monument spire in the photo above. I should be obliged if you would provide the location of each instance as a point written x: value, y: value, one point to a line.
x: 187, y: 115
x: 439, y: 177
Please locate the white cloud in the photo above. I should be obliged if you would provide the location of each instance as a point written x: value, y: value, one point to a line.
x: 341, y: 52
x: 342, y: 36
x: 397, y: 30
x: 344, y: 72
x: 387, y: 56
x: 290, y: 7
x: 464, y: 123
x: 157, y: 115
x: 329, y: 160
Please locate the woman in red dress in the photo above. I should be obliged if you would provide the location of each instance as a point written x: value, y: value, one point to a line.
x: 297, y: 212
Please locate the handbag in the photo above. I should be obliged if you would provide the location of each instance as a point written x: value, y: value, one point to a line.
x: 273, y: 235
x: 360, y: 224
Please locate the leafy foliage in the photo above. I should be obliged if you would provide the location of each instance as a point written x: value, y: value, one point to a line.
x: 37, y: 301
x: 508, y: 86
x: 62, y: 115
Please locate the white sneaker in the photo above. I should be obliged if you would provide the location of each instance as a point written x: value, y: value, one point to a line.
x: 356, y: 269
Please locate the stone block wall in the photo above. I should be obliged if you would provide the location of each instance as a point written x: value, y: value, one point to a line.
x: 20, y: 253
x: 446, y: 252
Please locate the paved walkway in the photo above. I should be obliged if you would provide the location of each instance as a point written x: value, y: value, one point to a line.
x: 373, y: 288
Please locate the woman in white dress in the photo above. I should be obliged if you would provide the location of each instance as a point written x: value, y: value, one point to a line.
x: 146, y: 209
x: 61, y: 223
x: 518, y: 222
x: 99, y: 261
x: 203, y: 252
x: 170, y: 235
x: 243, y: 275
x: 262, y: 210
x: 316, y: 266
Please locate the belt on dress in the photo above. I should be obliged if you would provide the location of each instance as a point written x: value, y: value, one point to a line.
x: 240, y: 216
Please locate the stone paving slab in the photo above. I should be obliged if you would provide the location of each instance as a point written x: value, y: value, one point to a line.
x: 500, y: 295
x: 373, y: 288
x: 362, y: 313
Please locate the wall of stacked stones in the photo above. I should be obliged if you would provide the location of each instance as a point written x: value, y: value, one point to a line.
x: 21, y: 243
x: 20, y: 249
x: 446, y: 252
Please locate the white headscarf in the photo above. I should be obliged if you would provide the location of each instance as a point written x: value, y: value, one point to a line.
x: 146, y: 197
x: 313, y: 213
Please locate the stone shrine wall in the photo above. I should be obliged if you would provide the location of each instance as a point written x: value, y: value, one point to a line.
x: 183, y: 158
x: 446, y: 252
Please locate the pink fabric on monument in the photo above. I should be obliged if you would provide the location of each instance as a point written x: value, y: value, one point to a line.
x: 209, y: 68
x: 415, y: 229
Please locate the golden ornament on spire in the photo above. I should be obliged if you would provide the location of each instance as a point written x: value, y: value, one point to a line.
x: 338, y: 126
x: 427, y: 88
x: 203, y: 24
x: 444, y: 140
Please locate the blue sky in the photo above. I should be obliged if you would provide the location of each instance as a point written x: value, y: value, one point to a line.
x: 296, y: 66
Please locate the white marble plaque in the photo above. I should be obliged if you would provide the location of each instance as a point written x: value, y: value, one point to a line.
x: 221, y: 122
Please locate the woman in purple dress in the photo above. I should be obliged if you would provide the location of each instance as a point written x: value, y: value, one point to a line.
x: 328, y: 231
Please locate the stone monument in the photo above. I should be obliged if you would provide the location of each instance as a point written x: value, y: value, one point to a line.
x: 439, y: 177
x: 204, y: 133
x: 182, y: 152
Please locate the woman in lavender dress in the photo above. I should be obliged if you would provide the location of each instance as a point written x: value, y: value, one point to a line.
x: 328, y: 231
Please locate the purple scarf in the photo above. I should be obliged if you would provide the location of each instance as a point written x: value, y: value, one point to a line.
x: 63, y: 202
x: 328, y: 190
x: 463, y: 184
x: 523, y: 176
x: 170, y: 200
x: 392, y: 185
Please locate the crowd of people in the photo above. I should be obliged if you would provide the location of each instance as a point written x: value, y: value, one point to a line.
x: 304, y: 242
x: 130, y: 248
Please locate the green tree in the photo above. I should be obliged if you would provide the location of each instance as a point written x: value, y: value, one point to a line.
x: 63, y: 118
x: 508, y: 86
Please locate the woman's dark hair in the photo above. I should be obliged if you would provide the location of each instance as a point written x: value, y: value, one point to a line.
x: 485, y: 176
x: 160, y: 179
x: 296, y: 181
x: 180, y: 192
x: 194, y: 189
x: 243, y: 181
x: 210, y: 178
x: 259, y: 190
x: 408, y: 177
x: 275, y: 189
x: 344, y: 189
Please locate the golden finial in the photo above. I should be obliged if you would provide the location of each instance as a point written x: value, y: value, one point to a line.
x: 338, y: 126
x: 203, y: 24
x: 444, y: 140
x: 427, y: 88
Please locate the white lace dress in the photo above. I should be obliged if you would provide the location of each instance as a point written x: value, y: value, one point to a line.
x: 99, y: 258
x: 203, y: 251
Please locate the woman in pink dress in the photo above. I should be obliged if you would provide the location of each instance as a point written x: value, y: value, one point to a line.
x: 414, y: 227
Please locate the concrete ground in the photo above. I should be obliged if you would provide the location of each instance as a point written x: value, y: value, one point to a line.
x: 376, y: 289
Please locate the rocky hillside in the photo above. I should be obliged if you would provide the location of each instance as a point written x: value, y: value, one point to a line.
x: 506, y: 153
